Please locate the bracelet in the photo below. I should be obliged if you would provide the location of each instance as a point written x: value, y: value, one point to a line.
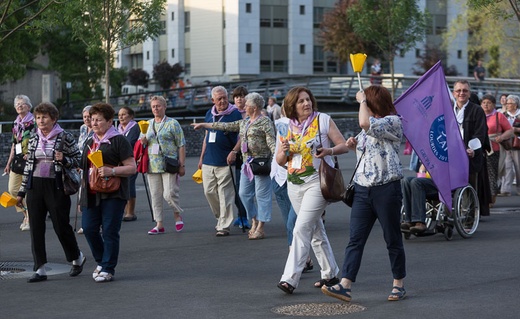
x: 332, y: 151
x: 113, y: 171
x: 236, y: 152
x: 363, y: 101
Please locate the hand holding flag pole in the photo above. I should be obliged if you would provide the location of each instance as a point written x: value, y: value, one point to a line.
x: 358, y: 60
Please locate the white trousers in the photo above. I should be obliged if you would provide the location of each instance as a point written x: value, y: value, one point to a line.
x: 512, y: 170
x: 220, y: 193
x: 163, y: 185
x: 308, y: 203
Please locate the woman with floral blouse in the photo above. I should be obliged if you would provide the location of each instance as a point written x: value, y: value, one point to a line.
x: 377, y: 190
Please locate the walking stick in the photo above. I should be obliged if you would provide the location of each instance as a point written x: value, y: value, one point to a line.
x: 148, y: 196
x: 236, y: 194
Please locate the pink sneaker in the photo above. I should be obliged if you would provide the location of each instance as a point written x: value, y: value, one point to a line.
x: 156, y: 231
x: 179, y: 225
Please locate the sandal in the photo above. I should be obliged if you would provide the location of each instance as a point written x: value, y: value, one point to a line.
x: 308, y: 266
x: 257, y: 235
x: 286, y: 287
x: 341, y: 293
x: 326, y: 282
x: 400, y: 294
x: 222, y: 233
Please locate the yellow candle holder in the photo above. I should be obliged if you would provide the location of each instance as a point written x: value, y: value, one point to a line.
x: 358, y: 61
x: 143, y: 126
x: 7, y: 200
x: 96, y: 158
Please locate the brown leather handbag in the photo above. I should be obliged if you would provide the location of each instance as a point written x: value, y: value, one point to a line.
x: 107, y: 184
x: 331, y: 179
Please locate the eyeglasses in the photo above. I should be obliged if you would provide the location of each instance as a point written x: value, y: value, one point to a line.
x: 20, y: 105
x: 462, y: 91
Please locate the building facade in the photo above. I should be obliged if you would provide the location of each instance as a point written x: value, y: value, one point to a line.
x: 225, y: 40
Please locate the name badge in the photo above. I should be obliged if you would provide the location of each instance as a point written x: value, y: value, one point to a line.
x: 18, y: 148
x: 296, y: 162
x: 154, y: 149
x: 212, y: 137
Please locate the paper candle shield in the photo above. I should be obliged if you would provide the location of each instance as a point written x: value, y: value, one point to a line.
x: 96, y: 158
x: 7, y: 200
x: 143, y: 126
x: 358, y: 60
x: 197, y: 176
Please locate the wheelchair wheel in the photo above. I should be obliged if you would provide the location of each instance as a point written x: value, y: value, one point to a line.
x: 466, y: 211
x: 448, y: 233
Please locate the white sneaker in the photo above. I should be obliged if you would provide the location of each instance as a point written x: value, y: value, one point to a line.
x: 25, y: 227
x: 104, y: 277
x: 96, y: 272
x: 80, y: 231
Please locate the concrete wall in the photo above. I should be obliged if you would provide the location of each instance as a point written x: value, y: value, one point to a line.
x: 349, y: 126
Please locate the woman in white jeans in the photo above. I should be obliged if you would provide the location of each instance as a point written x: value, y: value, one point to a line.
x: 302, y: 152
x: 512, y: 157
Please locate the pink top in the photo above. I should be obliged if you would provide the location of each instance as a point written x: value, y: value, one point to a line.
x: 494, y: 129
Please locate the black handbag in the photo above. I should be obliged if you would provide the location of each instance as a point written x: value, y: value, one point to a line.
x: 172, y: 165
x: 261, y: 166
x: 349, y: 195
x: 18, y: 164
x: 71, y: 180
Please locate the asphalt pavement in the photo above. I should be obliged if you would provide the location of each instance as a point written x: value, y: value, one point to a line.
x: 194, y: 274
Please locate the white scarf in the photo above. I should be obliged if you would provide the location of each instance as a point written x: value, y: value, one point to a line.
x: 460, y: 116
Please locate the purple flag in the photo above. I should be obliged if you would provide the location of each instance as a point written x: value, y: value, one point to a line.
x: 430, y: 126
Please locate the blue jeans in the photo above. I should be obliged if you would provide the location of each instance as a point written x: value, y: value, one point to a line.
x: 370, y: 203
x: 258, y: 188
x: 288, y: 214
x: 415, y: 191
x: 105, y: 245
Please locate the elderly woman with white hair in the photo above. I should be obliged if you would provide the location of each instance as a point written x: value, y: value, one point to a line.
x: 22, y: 127
x: 257, y: 141
x: 512, y: 156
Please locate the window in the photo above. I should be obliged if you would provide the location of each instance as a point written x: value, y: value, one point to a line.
x: 248, y: 7
x: 302, y: 48
x: 187, y: 21
x: 302, y: 10
x: 417, y: 53
x: 163, y: 28
x: 173, y: 16
x: 273, y: 58
x: 173, y: 53
x: 317, y: 16
x: 249, y: 47
x: 273, y: 16
x: 148, y: 55
x: 459, y: 54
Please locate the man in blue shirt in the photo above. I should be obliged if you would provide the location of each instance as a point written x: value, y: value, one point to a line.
x: 216, y: 175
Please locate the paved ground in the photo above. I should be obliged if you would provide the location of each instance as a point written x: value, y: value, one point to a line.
x: 194, y: 274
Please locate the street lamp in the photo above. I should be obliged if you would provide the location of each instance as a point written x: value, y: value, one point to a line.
x: 68, y: 85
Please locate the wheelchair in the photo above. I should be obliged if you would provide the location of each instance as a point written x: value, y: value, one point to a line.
x: 464, y: 216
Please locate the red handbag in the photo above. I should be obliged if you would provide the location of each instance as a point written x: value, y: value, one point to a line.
x: 141, y: 157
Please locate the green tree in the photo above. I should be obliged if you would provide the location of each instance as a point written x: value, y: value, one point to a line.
x: 17, y: 47
x: 501, y: 8
x: 111, y: 25
x: 338, y: 36
x: 69, y: 57
x: 393, y: 26
x: 117, y: 78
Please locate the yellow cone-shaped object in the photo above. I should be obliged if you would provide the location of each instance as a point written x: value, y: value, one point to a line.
x: 143, y: 126
x: 197, y: 176
x: 96, y: 158
x: 358, y: 60
x: 7, y: 200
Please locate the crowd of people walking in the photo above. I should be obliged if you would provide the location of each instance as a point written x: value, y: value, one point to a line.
x: 275, y: 150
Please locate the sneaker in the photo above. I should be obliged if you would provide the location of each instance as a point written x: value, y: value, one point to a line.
x: 156, y: 231
x: 80, y: 231
x: 237, y: 223
x: 96, y: 272
x: 104, y: 277
x: 504, y: 194
x: 179, y: 225
x: 25, y: 227
x: 245, y: 223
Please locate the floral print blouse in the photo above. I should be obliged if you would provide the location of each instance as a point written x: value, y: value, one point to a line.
x: 380, y: 164
x: 258, y: 135
x: 170, y: 137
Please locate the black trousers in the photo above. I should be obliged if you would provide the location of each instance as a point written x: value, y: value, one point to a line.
x: 43, y: 198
